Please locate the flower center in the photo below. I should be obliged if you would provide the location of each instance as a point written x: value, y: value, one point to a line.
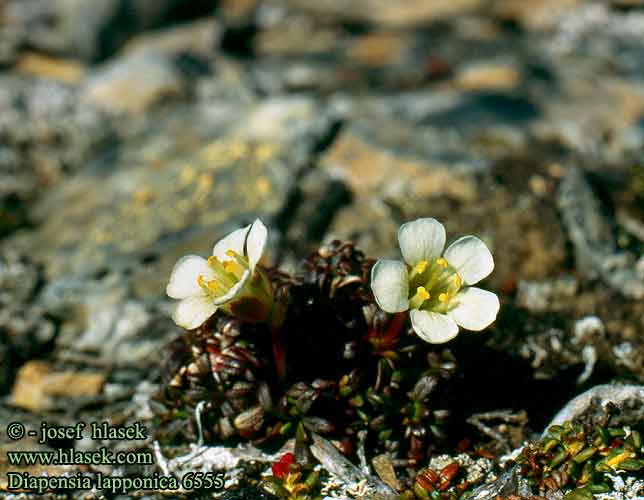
x: 227, y: 273
x: 433, y: 284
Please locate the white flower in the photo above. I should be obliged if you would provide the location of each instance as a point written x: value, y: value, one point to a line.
x: 226, y: 277
x: 437, y: 288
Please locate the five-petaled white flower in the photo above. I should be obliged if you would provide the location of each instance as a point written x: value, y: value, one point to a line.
x: 436, y: 288
x: 228, y: 278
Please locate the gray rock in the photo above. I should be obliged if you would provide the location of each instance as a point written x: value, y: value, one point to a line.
x: 403, y: 14
x: 109, y: 236
x: 547, y: 295
x: 45, y: 133
x: 173, y: 190
x: 197, y: 38
x: 25, y: 328
x: 591, y: 234
x: 134, y: 83
x: 94, y: 30
x: 630, y: 399
x: 82, y: 25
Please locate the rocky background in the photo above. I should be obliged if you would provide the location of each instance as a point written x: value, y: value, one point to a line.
x: 133, y: 132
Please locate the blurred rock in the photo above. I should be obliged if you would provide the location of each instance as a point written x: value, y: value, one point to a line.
x: 19, y: 277
x: 370, y: 170
x: 627, y: 4
x: 591, y: 234
x: 402, y: 14
x: 314, y: 206
x: 94, y: 30
x: 134, y: 84
x: 384, y: 182
x: 594, y: 117
x: 90, y: 30
x: 102, y: 322
x: 548, y: 295
x: 174, y: 188
x: 45, y: 133
x: 10, y: 40
x: 109, y: 237
x: 488, y: 77
x: 197, y: 38
x: 628, y: 397
x: 536, y: 15
x: 65, y: 71
x: 370, y: 224
x: 38, y: 384
x: 293, y: 34
x: 26, y: 330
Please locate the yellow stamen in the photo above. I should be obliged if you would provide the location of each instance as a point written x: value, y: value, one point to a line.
x: 222, y: 274
x: 213, y: 286
x: 458, y: 281
x: 419, y: 297
x: 442, y: 262
x: 420, y: 267
x: 241, y: 261
x: 233, y: 267
x: 216, y: 287
x: 443, y: 297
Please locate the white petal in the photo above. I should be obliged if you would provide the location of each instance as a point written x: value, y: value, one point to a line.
x: 432, y: 327
x: 422, y: 239
x: 476, y: 309
x: 471, y: 258
x: 256, y: 242
x: 390, y: 285
x: 183, y: 279
x: 234, y: 241
x: 193, y: 311
x: 234, y: 290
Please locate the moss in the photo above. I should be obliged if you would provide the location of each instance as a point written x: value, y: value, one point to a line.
x: 578, y: 458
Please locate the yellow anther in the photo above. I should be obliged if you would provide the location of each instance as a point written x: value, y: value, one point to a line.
x: 231, y: 266
x: 420, y: 267
x: 442, y: 262
x: 214, y: 286
x: 419, y: 297
x: 458, y: 281
x: 222, y: 271
x: 443, y: 297
x: 237, y: 264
